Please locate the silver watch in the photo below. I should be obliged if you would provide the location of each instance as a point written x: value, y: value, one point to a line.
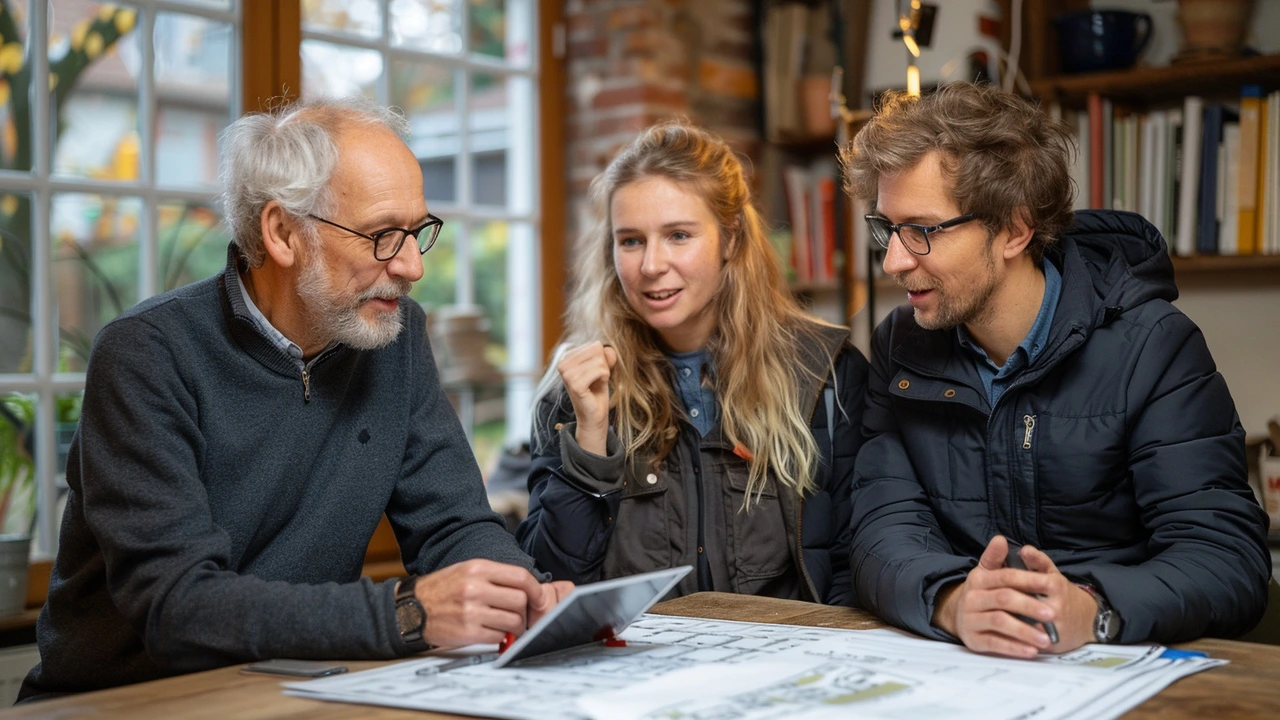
x: 1106, y: 624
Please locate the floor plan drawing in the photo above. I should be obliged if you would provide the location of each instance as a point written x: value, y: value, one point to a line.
x: 677, y: 668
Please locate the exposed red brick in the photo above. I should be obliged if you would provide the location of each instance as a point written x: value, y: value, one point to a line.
x: 588, y: 48
x: 723, y: 78
x: 634, y: 95
x: 629, y: 17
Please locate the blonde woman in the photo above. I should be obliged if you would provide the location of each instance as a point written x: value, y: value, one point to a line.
x: 694, y: 413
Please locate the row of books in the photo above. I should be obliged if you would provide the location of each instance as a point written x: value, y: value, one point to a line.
x: 811, y: 212
x: 1206, y: 174
x: 798, y: 50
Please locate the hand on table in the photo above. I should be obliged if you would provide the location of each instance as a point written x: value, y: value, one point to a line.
x: 480, y: 601
x: 980, y: 610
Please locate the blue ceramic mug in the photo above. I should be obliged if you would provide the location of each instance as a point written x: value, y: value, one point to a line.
x: 1097, y: 40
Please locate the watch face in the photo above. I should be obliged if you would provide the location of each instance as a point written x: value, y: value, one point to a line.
x: 409, y: 616
x: 1106, y: 628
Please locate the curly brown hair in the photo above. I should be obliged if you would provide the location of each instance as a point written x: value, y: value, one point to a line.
x: 1003, y: 156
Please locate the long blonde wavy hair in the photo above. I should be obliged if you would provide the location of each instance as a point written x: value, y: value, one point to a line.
x: 759, y: 325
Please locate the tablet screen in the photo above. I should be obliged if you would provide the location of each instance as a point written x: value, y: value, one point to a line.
x: 593, y: 612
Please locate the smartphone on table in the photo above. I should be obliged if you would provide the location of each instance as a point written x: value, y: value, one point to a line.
x: 295, y: 668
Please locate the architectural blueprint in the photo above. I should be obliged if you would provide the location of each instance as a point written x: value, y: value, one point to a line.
x: 678, y: 668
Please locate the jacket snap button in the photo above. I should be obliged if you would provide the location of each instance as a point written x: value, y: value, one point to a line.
x: 949, y: 393
x: 651, y: 479
x: 559, y: 426
x: 904, y: 384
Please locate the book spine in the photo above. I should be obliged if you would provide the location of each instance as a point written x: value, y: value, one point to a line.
x: 1192, y: 123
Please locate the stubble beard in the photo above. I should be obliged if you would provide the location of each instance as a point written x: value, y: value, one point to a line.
x: 334, y: 318
x: 953, y: 311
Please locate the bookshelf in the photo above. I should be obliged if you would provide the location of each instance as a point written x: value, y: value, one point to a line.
x: 1162, y: 84
x: 798, y: 178
x: 1143, y: 89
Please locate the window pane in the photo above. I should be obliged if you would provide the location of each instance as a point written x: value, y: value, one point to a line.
x: 427, y: 95
x: 329, y: 69
x: 431, y: 25
x: 15, y: 94
x: 193, y: 79
x: 489, y: 258
x: 93, y: 65
x: 351, y: 17
x: 214, y: 4
x: 95, y: 268
x: 193, y: 244
x: 438, y: 286
x: 16, y: 350
x: 501, y: 29
x: 18, y: 432
x: 488, y: 120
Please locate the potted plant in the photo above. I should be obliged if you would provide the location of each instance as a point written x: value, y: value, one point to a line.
x: 17, y: 498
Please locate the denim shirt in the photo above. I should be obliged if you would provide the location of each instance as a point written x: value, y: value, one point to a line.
x: 996, y: 378
x: 699, y: 400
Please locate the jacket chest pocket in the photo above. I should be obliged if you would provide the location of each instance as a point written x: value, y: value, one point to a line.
x: 642, y: 538
x: 758, y: 544
x: 1082, y: 469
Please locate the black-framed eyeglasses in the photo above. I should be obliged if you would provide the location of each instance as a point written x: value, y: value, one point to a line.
x: 915, y: 237
x: 386, y: 243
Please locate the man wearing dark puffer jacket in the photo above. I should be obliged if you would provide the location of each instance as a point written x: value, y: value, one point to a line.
x: 1038, y: 389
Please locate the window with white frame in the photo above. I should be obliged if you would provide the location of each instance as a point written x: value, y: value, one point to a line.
x: 463, y: 72
x: 109, y: 117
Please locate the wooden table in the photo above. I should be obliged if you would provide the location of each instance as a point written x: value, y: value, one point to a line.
x: 1247, y: 688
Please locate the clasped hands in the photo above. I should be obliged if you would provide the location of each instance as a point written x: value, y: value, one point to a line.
x: 980, y: 610
x: 480, y: 601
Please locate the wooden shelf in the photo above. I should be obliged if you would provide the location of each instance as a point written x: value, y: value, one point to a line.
x: 1235, y: 271
x: 1164, y: 84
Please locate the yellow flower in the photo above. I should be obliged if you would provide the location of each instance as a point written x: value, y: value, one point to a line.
x: 106, y: 11
x: 53, y: 83
x: 78, y: 33
x: 125, y: 20
x: 9, y: 205
x: 93, y: 45
x: 4, y: 92
x: 11, y: 58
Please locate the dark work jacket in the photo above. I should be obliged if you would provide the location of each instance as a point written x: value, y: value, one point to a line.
x: 1117, y: 451
x: 595, y: 517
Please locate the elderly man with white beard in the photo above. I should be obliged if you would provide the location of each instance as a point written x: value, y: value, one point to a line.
x: 241, y: 438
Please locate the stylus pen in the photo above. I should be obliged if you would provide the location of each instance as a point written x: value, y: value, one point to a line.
x: 459, y: 663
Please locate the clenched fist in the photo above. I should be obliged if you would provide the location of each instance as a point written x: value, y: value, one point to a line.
x: 585, y: 372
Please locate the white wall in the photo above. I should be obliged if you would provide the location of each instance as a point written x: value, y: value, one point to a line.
x: 1242, y: 326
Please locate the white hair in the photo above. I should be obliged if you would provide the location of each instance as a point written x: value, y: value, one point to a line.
x: 288, y: 155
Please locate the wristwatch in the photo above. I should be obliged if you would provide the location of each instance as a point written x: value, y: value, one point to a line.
x: 1106, y: 624
x: 411, y: 619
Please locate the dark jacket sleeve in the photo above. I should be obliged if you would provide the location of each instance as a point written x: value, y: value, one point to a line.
x: 850, y: 392
x: 1209, y: 564
x: 900, y: 557
x: 573, y: 496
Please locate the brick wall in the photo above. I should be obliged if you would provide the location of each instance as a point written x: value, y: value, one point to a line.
x: 630, y: 63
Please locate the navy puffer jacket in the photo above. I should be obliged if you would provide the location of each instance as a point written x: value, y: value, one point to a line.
x: 1118, y: 452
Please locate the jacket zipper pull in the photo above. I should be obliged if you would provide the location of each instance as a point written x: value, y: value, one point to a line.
x: 306, y: 386
x: 1030, y: 422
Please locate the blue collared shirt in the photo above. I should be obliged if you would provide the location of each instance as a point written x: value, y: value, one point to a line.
x: 699, y: 400
x: 996, y: 378
x: 276, y: 337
